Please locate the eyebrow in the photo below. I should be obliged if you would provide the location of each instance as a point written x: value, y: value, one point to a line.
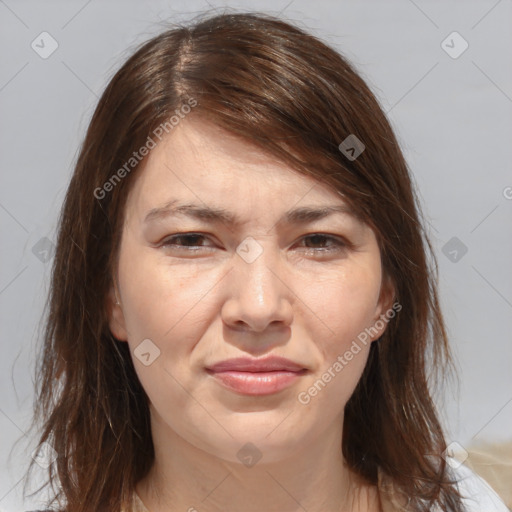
x: 300, y: 215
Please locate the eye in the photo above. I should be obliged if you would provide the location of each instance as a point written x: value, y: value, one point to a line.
x: 186, y: 241
x: 319, y: 239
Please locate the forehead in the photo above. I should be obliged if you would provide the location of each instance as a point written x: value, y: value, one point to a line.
x: 198, y: 163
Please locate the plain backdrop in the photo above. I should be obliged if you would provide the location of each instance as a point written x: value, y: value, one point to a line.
x: 451, y: 109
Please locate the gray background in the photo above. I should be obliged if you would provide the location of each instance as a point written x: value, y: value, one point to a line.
x: 452, y: 116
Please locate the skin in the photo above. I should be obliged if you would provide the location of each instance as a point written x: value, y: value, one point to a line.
x: 303, y: 298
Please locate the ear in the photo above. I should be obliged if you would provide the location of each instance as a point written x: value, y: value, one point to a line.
x: 386, y: 308
x: 116, y: 319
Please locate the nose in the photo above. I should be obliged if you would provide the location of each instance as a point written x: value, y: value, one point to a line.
x: 259, y: 295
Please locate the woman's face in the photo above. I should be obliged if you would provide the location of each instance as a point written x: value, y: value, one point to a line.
x: 197, y: 288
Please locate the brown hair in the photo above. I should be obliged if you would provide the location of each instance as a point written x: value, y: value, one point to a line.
x: 296, y: 98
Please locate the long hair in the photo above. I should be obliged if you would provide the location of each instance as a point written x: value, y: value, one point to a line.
x: 296, y: 98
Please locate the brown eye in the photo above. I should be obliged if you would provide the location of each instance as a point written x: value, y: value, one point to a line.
x: 318, y: 239
x: 185, y: 241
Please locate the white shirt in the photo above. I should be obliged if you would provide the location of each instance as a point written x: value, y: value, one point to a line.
x: 478, y: 494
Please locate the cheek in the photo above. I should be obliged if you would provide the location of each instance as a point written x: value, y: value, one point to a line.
x: 345, y: 306
x: 158, y: 297
x: 170, y: 308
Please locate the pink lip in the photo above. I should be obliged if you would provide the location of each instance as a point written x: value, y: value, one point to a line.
x: 257, y: 376
x: 248, y: 364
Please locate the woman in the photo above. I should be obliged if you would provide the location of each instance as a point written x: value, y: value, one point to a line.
x: 242, y: 308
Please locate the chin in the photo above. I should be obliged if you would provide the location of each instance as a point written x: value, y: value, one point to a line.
x: 265, y: 442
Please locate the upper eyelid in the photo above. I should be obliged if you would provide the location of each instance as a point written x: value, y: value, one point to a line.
x: 166, y: 240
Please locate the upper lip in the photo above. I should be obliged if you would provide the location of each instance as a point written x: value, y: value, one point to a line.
x: 247, y: 364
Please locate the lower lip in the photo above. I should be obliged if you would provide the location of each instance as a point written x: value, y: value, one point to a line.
x: 257, y: 383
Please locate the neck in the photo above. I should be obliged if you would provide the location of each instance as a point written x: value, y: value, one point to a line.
x: 314, y: 477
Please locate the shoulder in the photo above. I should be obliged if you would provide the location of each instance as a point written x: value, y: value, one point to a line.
x: 477, y: 494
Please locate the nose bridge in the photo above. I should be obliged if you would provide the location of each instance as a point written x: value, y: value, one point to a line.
x: 257, y: 266
x: 258, y: 294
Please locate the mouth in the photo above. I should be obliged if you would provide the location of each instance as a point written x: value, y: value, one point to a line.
x: 257, y: 383
x: 257, y: 377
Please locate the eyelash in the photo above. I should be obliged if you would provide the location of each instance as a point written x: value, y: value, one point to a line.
x: 338, y: 243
